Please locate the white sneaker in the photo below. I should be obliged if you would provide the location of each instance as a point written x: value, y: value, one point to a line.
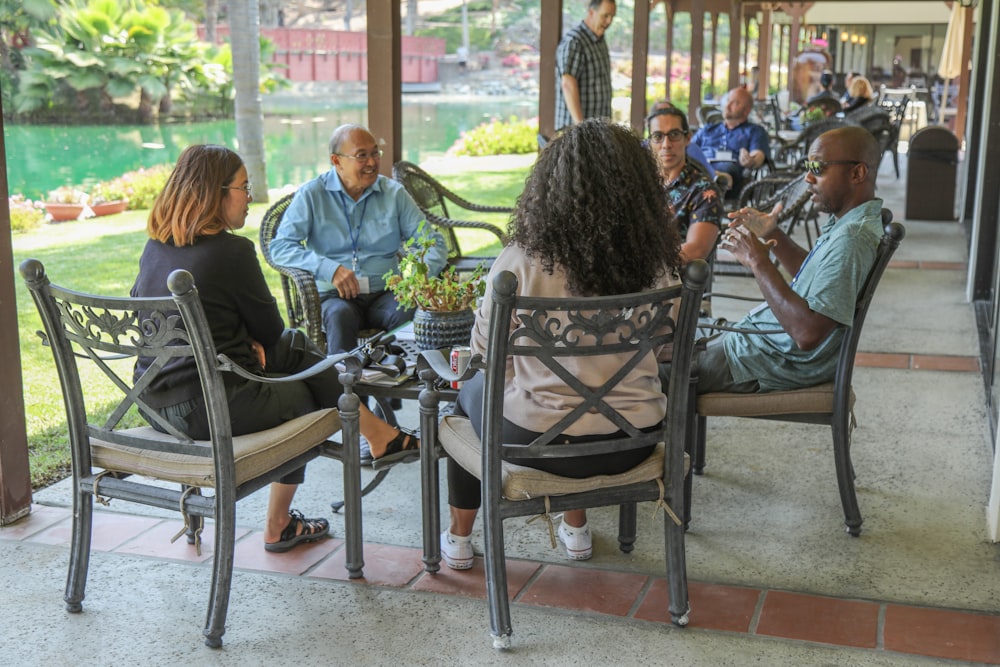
x: 456, y: 551
x: 579, y: 545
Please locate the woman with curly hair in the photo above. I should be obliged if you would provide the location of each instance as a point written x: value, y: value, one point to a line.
x: 589, y: 223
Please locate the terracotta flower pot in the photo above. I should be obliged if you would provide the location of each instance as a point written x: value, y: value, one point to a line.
x: 63, y: 212
x: 109, y: 207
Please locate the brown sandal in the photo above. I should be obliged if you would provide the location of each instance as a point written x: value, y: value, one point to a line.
x: 298, y: 531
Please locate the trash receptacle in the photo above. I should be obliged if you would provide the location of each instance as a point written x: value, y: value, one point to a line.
x: 932, y: 167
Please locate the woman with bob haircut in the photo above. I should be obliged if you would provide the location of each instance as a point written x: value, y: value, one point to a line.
x: 206, y: 198
x: 590, y: 222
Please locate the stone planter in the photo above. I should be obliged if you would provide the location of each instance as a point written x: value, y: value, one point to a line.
x: 60, y: 212
x: 109, y: 207
x: 436, y: 330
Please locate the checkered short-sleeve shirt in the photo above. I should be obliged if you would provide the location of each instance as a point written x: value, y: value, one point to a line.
x: 584, y: 56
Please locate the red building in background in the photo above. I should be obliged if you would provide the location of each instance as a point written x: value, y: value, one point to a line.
x: 308, y: 54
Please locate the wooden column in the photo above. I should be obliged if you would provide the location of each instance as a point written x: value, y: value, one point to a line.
x: 640, y: 53
x: 714, y: 18
x: 551, y: 33
x: 963, y: 78
x: 735, y: 42
x: 697, y: 53
x: 385, y: 89
x: 15, y: 478
x: 764, y: 53
x: 669, y: 7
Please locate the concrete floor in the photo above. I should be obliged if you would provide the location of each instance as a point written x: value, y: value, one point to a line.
x: 766, y: 515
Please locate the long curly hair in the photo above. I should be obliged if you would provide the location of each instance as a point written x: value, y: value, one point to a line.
x: 594, y: 205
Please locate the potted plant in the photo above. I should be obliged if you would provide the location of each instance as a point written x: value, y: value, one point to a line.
x: 65, y: 203
x: 443, y: 303
x: 108, y: 197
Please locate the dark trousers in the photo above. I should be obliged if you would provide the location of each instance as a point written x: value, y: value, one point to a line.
x: 256, y: 406
x: 465, y: 489
x: 343, y: 319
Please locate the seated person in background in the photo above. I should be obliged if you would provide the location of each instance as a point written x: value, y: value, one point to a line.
x: 735, y: 145
x: 819, y: 302
x: 826, y: 88
x: 570, y: 236
x: 695, y: 202
x: 191, y: 227
x: 847, y: 87
x: 346, y: 227
x: 859, y: 94
x: 692, y: 150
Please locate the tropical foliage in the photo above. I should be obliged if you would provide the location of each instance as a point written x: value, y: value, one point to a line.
x: 499, y: 137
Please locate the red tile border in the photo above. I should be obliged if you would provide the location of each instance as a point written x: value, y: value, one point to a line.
x: 944, y: 266
x: 38, y: 519
x: 251, y: 555
x: 385, y: 565
x: 942, y: 633
x: 472, y: 582
x: 881, y: 360
x: 584, y: 589
x: 713, y: 607
x: 927, y: 362
x: 819, y: 619
x: 903, y: 264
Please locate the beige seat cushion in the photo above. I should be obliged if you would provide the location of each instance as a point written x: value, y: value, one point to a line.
x: 811, y: 400
x: 521, y: 483
x: 254, y: 453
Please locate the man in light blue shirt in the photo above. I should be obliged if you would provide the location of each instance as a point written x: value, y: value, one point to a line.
x: 814, y: 308
x: 346, y: 227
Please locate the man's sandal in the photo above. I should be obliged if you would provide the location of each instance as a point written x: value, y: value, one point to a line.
x: 404, y: 448
x: 298, y: 531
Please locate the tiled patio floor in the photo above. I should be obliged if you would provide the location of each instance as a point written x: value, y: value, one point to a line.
x: 950, y: 634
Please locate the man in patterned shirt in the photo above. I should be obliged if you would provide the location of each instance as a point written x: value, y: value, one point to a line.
x: 694, y: 200
x: 583, y: 68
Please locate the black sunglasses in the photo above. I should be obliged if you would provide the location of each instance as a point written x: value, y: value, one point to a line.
x: 816, y: 167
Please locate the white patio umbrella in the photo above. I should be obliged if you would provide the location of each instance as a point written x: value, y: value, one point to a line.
x: 951, y: 56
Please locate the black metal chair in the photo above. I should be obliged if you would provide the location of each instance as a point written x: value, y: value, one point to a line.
x: 96, y: 339
x: 632, y: 325
x: 434, y: 199
x: 829, y: 404
x: 896, y: 108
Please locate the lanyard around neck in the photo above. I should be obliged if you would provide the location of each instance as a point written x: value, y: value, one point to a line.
x: 355, y: 234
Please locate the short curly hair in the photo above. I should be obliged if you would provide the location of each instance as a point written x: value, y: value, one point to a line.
x: 594, y: 205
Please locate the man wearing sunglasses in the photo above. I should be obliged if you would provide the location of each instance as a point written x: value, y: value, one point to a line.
x: 812, y: 310
x: 695, y: 202
x: 346, y: 228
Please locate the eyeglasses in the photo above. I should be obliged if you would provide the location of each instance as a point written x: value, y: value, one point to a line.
x: 244, y: 188
x: 673, y: 135
x: 816, y: 167
x: 364, y: 157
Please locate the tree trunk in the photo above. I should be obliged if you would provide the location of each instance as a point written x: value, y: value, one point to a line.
x: 348, y: 14
x: 411, y: 16
x: 244, y: 36
x: 211, y: 18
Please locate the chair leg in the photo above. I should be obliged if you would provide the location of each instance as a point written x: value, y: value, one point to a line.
x: 845, y: 473
x: 677, y: 584
x: 429, y: 480
x: 496, y: 579
x: 895, y: 161
x: 222, y: 571
x: 626, y: 527
x: 79, y: 554
x: 698, y: 459
x: 350, y: 430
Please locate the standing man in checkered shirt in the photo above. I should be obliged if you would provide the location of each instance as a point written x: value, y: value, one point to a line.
x: 583, y: 68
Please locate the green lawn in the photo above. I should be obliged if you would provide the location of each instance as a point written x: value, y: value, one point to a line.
x: 101, y: 255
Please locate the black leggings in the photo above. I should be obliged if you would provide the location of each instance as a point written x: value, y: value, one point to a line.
x: 464, y: 488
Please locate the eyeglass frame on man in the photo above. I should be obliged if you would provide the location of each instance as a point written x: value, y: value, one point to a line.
x: 245, y: 188
x: 364, y: 157
x: 816, y: 167
x: 674, y: 136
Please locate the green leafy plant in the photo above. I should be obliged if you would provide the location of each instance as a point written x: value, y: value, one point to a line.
x: 107, y: 191
x: 139, y: 187
x: 415, y: 287
x: 66, y: 194
x: 813, y: 114
x: 499, y: 137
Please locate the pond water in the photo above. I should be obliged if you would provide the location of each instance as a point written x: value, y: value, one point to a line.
x: 42, y: 157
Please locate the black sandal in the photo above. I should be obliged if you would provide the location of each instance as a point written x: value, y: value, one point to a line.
x: 404, y: 448
x: 298, y: 531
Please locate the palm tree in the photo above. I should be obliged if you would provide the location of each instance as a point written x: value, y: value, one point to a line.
x: 244, y: 35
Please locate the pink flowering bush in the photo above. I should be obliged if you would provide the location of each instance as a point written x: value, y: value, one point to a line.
x: 25, y: 214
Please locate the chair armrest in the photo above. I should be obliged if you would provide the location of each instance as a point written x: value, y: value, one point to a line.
x: 351, y: 362
x: 452, y: 223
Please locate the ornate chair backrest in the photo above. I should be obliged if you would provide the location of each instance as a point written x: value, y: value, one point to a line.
x: 548, y: 332
x: 88, y: 332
